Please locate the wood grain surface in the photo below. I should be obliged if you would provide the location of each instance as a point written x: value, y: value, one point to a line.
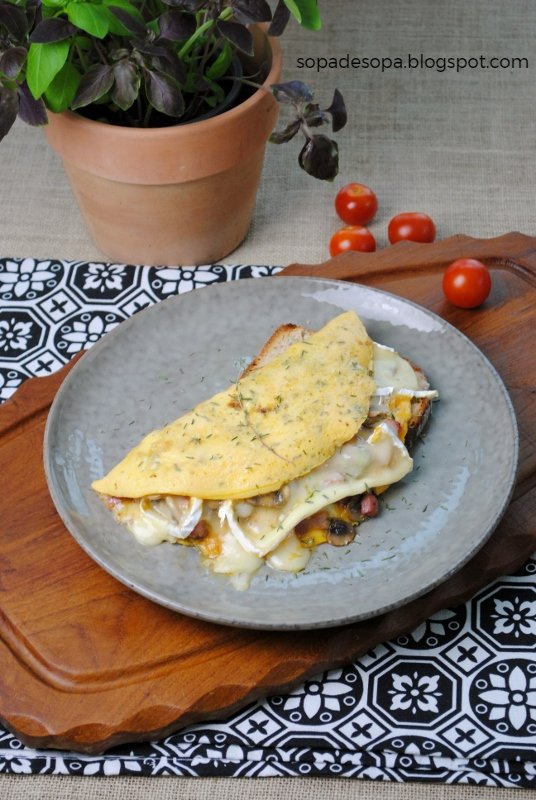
x: 85, y: 663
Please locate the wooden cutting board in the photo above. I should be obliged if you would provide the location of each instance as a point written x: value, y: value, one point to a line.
x: 85, y: 663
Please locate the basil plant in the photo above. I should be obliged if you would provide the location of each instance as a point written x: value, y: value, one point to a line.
x: 145, y: 63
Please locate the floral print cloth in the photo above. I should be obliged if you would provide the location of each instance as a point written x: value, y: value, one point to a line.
x: 454, y: 701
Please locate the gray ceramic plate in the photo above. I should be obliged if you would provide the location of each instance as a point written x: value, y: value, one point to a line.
x: 157, y: 365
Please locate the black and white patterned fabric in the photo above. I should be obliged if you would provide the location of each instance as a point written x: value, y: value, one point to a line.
x: 454, y: 702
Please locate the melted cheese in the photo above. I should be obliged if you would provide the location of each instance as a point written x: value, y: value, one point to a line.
x: 397, y: 386
x: 249, y: 534
x: 244, y: 535
x: 156, y: 520
x: 367, y: 461
x: 391, y: 370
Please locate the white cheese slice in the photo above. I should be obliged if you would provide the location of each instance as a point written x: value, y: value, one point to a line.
x: 390, y: 369
x: 153, y: 520
x: 366, y: 462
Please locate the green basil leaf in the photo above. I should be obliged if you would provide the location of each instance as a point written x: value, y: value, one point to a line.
x: 89, y: 18
x: 43, y: 64
x: 221, y: 64
x: 53, y: 3
x: 218, y: 94
x: 306, y: 12
x: 63, y: 88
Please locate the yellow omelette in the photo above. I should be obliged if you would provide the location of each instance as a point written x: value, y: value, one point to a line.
x: 275, y: 424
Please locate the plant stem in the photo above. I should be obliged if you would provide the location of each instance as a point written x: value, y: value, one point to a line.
x: 147, y: 117
x: 81, y: 56
x: 100, y: 51
x: 206, y: 26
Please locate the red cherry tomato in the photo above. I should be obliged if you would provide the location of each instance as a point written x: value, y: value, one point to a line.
x: 352, y: 237
x: 356, y: 204
x: 412, y: 226
x: 466, y: 283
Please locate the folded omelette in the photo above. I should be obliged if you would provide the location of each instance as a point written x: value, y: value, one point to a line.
x: 257, y: 473
x: 275, y: 424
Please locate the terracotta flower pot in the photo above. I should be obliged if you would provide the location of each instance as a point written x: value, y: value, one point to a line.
x: 168, y: 196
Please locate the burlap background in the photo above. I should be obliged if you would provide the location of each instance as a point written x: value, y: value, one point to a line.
x: 66, y: 788
x: 460, y: 146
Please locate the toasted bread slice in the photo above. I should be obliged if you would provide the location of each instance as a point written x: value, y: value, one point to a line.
x: 278, y: 342
x: 421, y: 409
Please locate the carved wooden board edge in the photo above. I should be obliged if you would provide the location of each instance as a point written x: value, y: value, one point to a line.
x: 513, y: 250
x: 31, y: 399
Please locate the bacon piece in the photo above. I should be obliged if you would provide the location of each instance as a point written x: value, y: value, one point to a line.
x: 201, y: 531
x: 369, y: 505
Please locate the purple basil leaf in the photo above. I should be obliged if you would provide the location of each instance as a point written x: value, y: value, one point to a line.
x: 237, y: 34
x: 31, y: 110
x: 186, y: 5
x: 247, y: 11
x: 320, y: 157
x: 314, y: 117
x: 126, y: 84
x: 278, y: 137
x: 34, y: 13
x: 150, y: 49
x: 280, y: 19
x: 12, y: 60
x: 53, y: 29
x: 14, y: 20
x: 163, y: 93
x: 292, y: 92
x: 317, y: 118
x: 175, y: 25
x: 199, y: 83
x: 97, y: 81
x: 9, y: 108
x: 337, y: 110
x: 130, y: 22
x: 168, y: 64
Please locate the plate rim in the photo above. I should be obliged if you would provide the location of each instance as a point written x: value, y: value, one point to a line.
x: 232, y: 285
